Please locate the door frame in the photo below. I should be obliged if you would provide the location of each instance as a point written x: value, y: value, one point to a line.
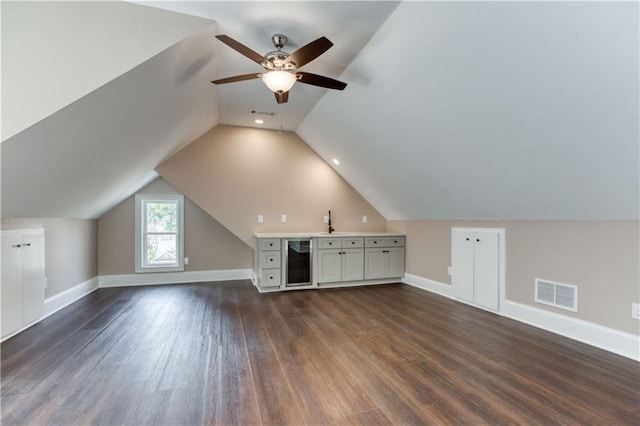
x: 501, y: 264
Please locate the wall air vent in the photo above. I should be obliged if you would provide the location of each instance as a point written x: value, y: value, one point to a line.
x: 262, y: 113
x: 563, y: 296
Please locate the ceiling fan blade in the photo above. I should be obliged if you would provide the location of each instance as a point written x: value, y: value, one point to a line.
x: 241, y: 48
x: 282, y: 98
x: 237, y: 78
x: 309, y: 52
x: 319, y: 80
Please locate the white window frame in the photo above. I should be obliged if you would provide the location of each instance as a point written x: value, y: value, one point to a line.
x: 141, y: 232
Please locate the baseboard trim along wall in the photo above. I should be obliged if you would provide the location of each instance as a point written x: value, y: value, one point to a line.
x: 59, y: 301
x: 54, y: 303
x: 618, y: 342
x: 132, y: 280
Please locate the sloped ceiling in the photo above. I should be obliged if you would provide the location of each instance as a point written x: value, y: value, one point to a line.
x: 453, y: 110
x: 348, y: 24
x: 54, y: 52
x: 487, y: 110
x: 84, y: 159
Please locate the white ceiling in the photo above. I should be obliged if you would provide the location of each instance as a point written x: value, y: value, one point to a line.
x: 348, y: 24
x: 490, y: 110
x: 513, y: 110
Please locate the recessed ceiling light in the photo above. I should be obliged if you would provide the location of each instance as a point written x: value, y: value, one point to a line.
x: 336, y: 162
x: 258, y: 121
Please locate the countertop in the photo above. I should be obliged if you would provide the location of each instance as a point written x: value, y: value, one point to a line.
x: 325, y: 234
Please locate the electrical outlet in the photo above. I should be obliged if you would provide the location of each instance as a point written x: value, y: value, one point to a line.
x: 260, y: 218
x: 326, y: 220
x: 635, y: 310
x: 186, y: 260
x: 449, y: 270
x: 283, y: 218
x: 364, y: 219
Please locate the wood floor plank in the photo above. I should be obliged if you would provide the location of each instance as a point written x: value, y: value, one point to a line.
x: 221, y: 353
x: 373, y: 417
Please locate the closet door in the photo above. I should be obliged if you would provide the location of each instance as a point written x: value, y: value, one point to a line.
x: 11, y: 283
x: 462, y: 264
x: 32, y: 278
x: 486, y: 282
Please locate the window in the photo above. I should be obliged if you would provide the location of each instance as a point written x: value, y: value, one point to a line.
x: 159, y: 233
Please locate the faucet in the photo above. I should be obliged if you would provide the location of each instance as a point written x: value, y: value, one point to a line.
x: 330, y: 228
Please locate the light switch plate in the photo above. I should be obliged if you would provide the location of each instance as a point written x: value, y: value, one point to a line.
x: 283, y: 218
x: 186, y: 260
x: 260, y: 218
x: 326, y: 220
x: 364, y: 219
x: 449, y: 270
x: 635, y: 310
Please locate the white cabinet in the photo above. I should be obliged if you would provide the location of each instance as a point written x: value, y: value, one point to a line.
x: 269, y: 260
x: 340, y: 259
x: 384, y: 258
x: 475, y: 261
x: 23, y: 278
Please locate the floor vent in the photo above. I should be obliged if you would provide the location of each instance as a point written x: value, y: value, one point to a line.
x: 563, y: 296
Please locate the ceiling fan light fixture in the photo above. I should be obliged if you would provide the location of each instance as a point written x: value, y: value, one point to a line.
x: 279, y: 81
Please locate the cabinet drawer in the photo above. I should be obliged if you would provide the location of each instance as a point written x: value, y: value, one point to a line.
x: 270, y: 278
x: 375, y: 242
x: 326, y: 243
x: 269, y: 244
x: 352, y: 242
x: 395, y: 242
x: 270, y: 260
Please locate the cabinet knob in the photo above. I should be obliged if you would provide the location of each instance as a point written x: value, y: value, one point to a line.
x: 478, y: 239
x: 27, y: 244
x: 353, y: 242
x: 467, y: 239
x: 375, y: 242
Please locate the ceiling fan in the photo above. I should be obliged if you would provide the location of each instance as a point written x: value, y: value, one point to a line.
x: 282, y: 67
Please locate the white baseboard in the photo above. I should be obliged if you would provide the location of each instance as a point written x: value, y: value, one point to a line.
x: 129, y: 280
x: 59, y: 301
x: 612, y: 340
x: 55, y: 303
x: 609, y: 339
x: 429, y: 285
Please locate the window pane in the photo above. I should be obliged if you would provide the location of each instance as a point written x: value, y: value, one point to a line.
x: 161, y: 217
x: 161, y: 250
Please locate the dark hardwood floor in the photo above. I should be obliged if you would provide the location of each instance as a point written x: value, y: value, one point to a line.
x: 224, y: 354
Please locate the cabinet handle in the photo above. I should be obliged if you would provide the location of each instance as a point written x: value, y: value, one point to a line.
x: 17, y: 245
x: 27, y: 244
x: 375, y: 242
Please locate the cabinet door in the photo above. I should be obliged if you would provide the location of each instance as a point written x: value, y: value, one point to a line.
x: 352, y: 264
x: 395, y: 262
x: 11, y: 283
x: 374, y: 263
x: 32, y: 278
x: 462, y: 264
x: 329, y: 266
x: 486, y: 269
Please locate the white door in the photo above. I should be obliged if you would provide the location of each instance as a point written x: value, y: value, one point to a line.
x: 486, y: 282
x: 395, y: 262
x: 462, y: 264
x: 475, y: 262
x: 32, y: 278
x: 352, y: 264
x: 329, y: 266
x: 374, y: 263
x: 11, y: 283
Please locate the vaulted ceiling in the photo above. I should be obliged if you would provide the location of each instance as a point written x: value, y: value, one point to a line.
x: 518, y: 110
